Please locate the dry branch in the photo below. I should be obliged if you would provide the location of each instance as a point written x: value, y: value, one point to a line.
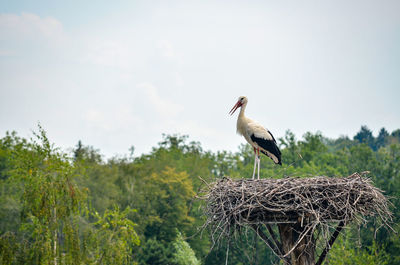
x: 306, y: 202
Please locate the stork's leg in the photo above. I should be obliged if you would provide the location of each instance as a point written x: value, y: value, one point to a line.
x: 255, y: 163
x: 258, y: 162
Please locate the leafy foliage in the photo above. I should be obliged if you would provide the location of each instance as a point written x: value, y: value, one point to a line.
x: 51, y: 206
x: 345, y: 252
x: 79, y: 209
x: 155, y: 252
x: 167, y: 202
x: 184, y: 255
x: 113, y: 236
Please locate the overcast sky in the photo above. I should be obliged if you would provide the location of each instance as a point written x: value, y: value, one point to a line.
x: 120, y: 73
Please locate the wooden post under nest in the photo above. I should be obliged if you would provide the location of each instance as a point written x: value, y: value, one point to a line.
x: 303, y: 253
x: 296, y: 208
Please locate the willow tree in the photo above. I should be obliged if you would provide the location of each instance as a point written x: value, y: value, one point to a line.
x: 50, y: 202
x: 54, y: 227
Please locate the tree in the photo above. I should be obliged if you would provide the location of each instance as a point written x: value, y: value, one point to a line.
x: 382, y: 138
x: 167, y: 195
x: 161, y: 186
x: 396, y: 133
x: 154, y: 252
x: 365, y: 136
x: 113, y: 236
x: 184, y: 255
x: 50, y: 202
x: 52, y: 228
x: 345, y: 252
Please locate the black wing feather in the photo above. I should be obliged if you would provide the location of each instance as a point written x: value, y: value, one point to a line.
x: 269, y: 145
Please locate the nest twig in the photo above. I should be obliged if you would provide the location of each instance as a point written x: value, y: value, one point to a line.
x: 317, y: 201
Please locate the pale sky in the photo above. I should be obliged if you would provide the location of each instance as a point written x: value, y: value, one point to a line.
x: 120, y: 73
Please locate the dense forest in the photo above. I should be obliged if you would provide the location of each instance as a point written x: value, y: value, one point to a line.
x: 76, y: 208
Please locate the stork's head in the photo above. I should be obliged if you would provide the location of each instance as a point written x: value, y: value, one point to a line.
x: 241, y: 101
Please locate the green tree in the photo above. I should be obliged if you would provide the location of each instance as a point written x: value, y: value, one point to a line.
x: 154, y: 252
x: 50, y: 202
x: 111, y: 238
x: 168, y: 194
x: 51, y: 227
x: 184, y: 255
x: 396, y: 134
x: 345, y: 252
x: 365, y: 136
x: 162, y: 185
x: 382, y: 138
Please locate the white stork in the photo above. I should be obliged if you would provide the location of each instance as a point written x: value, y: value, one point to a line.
x: 257, y: 136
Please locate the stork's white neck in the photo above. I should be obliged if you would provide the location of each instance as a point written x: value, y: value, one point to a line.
x: 241, y: 124
x: 242, y: 109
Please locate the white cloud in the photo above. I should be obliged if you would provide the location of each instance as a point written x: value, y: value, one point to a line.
x: 164, y: 107
x: 28, y: 26
x: 108, y: 52
x: 296, y: 57
x: 196, y: 129
x: 179, y: 79
x: 170, y: 52
x: 167, y: 49
x: 96, y: 119
x: 121, y: 118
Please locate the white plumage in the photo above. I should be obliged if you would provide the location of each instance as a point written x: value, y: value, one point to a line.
x: 257, y: 136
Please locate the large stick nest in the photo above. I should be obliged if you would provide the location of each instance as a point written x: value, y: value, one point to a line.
x: 317, y: 200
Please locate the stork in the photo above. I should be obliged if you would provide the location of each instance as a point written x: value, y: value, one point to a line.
x: 257, y: 136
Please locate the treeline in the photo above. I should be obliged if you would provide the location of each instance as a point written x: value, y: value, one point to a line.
x: 77, y: 208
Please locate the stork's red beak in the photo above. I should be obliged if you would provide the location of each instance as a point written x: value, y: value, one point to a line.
x: 237, y: 105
